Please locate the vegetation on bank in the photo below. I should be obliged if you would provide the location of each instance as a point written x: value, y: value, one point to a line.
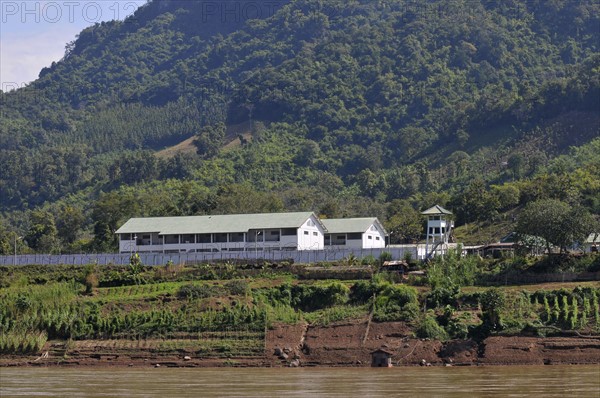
x: 223, y: 311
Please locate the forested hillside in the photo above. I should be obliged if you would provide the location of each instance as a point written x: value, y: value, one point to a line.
x: 347, y: 108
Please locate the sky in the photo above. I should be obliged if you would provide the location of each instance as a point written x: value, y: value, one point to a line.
x: 33, y: 33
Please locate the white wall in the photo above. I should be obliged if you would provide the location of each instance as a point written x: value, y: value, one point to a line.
x: 439, y: 224
x: 311, y: 235
x: 373, y: 243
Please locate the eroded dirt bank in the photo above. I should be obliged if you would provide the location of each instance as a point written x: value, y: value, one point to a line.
x: 350, y: 344
x: 345, y: 344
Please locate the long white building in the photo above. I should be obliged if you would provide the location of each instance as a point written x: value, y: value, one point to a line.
x: 248, y: 232
x: 222, y: 233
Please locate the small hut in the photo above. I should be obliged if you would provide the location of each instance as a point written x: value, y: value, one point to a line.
x: 381, y: 359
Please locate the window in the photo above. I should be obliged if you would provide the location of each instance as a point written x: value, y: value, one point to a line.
x: 289, y: 232
x: 370, y: 237
x: 310, y: 223
x: 377, y: 238
x: 203, y: 238
x: 355, y: 236
x: 187, y: 238
x: 126, y: 237
x: 315, y: 234
x: 305, y: 232
x: 272, y: 236
x: 236, y: 237
x: 221, y: 238
x: 341, y: 237
x: 171, y: 239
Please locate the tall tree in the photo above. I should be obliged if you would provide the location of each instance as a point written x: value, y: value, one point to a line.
x: 405, y: 225
x: 42, y: 235
x: 68, y: 223
x: 557, y: 222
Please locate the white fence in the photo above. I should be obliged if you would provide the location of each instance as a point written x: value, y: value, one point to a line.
x: 153, y: 259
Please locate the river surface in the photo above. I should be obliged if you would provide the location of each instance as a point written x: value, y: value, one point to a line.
x: 492, y: 381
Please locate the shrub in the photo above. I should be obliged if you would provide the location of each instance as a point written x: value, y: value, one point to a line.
x: 441, y: 296
x: 22, y: 303
x: 396, y: 303
x: 314, y: 297
x: 385, y: 256
x: 574, y: 313
x: 238, y: 287
x: 191, y: 291
x: 362, y: 291
x: 368, y: 260
x: 492, y: 303
x: 430, y: 329
x: 90, y: 278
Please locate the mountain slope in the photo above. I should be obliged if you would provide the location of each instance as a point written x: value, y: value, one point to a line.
x: 384, y: 99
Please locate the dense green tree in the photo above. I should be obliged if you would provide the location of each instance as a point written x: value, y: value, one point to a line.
x: 557, y: 222
x: 42, y: 235
x: 236, y: 198
x: 209, y: 140
x: 405, y: 225
x: 6, y: 240
x: 69, y: 221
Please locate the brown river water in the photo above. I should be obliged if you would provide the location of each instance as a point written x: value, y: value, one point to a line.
x: 492, y: 381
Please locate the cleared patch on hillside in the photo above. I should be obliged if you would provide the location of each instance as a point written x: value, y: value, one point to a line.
x: 232, y: 141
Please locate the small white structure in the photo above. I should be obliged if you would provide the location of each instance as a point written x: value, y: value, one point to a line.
x: 592, y: 243
x: 356, y: 233
x: 439, y: 226
x: 220, y: 233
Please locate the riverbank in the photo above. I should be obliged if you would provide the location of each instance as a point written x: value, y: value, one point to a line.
x: 347, y: 344
x: 181, y: 315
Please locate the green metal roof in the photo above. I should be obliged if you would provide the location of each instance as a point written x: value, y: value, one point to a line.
x: 214, y: 224
x: 436, y: 211
x: 351, y: 225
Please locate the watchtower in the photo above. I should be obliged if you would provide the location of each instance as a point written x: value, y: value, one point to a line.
x: 439, y: 226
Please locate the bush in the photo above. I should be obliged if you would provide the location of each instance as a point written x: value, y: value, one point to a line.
x: 368, y: 260
x: 362, y: 291
x: 401, y: 294
x: 385, y: 256
x: 492, y: 302
x: 191, y: 291
x: 430, y: 329
x: 441, y: 296
x: 238, y: 287
x: 312, y: 297
x: 90, y: 278
x: 22, y: 303
x: 396, y: 303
